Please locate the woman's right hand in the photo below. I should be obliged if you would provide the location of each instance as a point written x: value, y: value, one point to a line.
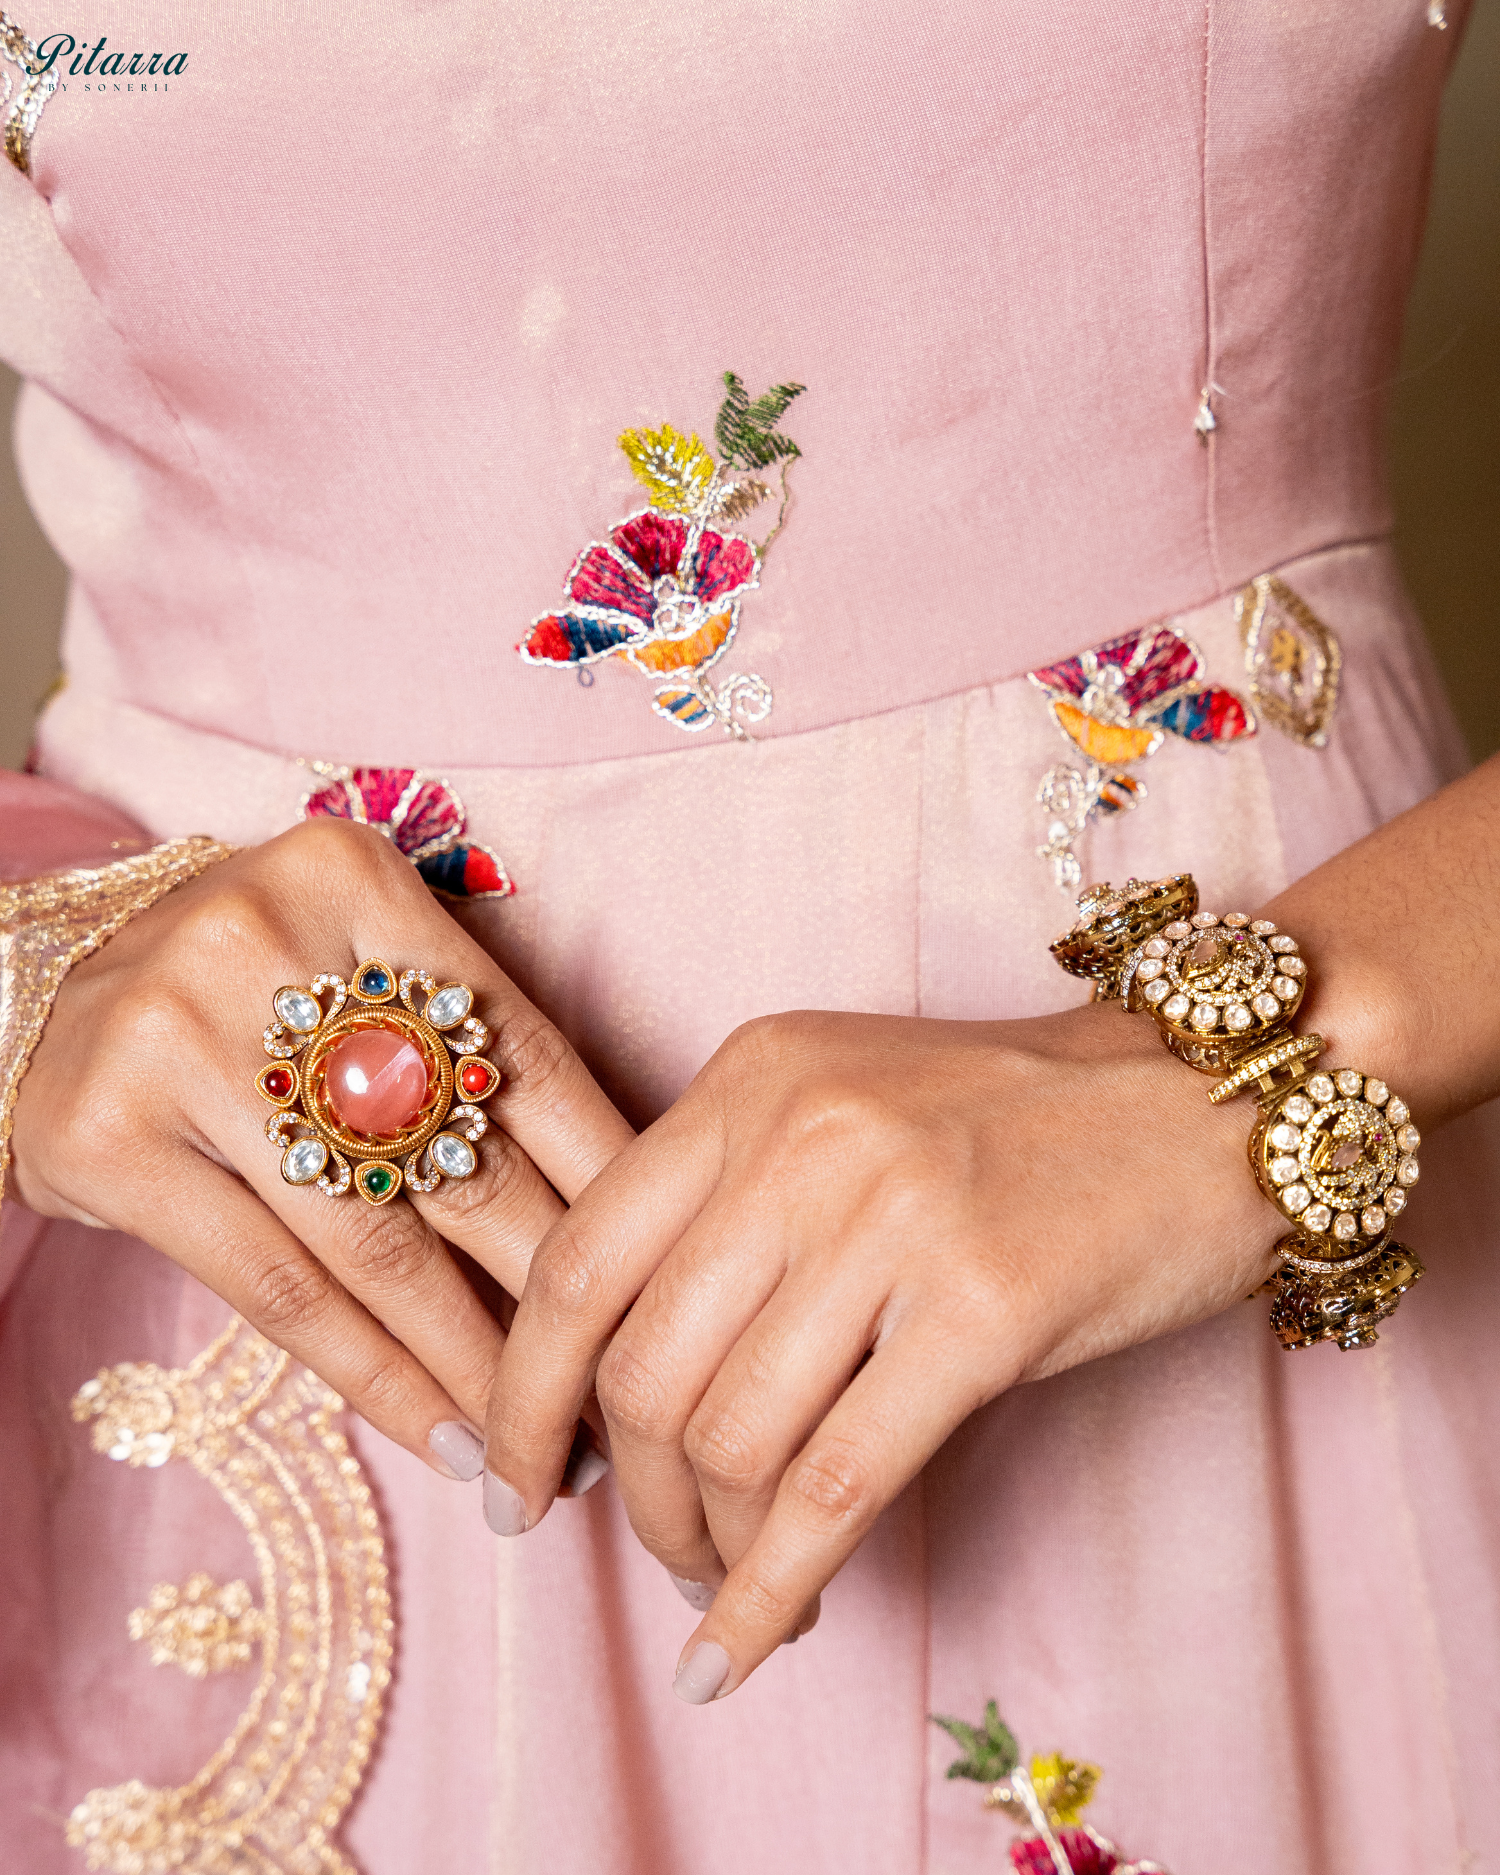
x: 140, y: 1113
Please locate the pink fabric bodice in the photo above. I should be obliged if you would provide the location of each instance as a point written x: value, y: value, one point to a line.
x: 333, y: 339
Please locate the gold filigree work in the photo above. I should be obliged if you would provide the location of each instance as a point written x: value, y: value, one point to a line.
x: 199, y: 1627
x: 263, y: 1433
x: 22, y: 99
x: 1293, y: 659
x: 47, y: 925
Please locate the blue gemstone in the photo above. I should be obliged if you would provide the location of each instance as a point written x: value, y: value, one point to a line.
x: 374, y: 983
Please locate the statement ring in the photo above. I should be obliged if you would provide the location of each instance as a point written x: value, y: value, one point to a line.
x: 376, y: 1081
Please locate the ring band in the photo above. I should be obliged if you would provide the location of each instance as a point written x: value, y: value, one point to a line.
x: 371, y: 1088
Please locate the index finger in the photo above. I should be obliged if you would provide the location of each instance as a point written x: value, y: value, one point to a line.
x: 585, y: 1275
x: 890, y: 1420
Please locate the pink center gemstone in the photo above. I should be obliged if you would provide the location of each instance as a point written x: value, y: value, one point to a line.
x: 1207, y: 954
x: 1346, y: 1155
x: 376, y: 1081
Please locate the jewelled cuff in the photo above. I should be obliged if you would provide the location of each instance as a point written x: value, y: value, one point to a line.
x: 1335, y: 1153
x: 47, y: 925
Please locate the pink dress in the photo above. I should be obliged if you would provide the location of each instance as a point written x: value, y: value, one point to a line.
x: 332, y: 338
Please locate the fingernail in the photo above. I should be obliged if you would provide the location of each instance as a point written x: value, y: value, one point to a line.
x: 504, y: 1509
x: 583, y: 1473
x: 457, y: 1447
x: 697, y: 1595
x: 702, y: 1674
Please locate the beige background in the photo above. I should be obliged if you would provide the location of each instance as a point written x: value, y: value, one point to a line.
x: 1445, y: 438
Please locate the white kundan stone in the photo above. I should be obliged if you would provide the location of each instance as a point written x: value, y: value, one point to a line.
x: 1299, y: 1108
x: 1408, y: 1172
x: 1286, y: 1138
x: 453, y: 1155
x: 449, y: 1006
x: 1408, y: 1138
x: 1285, y: 988
x: 1175, y: 1008
x: 1317, y: 1218
x: 1377, y: 1093
x: 1154, y: 992
x: 1296, y: 1198
x: 1283, y: 1171
x: 1283, y: 944
x: 1262, y: 927
x: 300, y: 1012
x: 1203, y: 919
x: 1345, y: 1225
x: 1293, y: 967
x: 1148, y: 968
x: 1177, y: 931
x: 1205, y: 1016
x: 1266, y: 1006
x: 1156, y: 947
x: 1395, y: 1200
x: 303, y: 1160
x: 1235, y: 919
x: 1321, y: 1087
x: 1372, y: 1220
x: 1398, y: 1112
x: 1237, y: 1018
x: 1349, y: 1082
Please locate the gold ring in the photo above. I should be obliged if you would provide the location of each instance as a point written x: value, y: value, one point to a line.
x: 372, y: 1087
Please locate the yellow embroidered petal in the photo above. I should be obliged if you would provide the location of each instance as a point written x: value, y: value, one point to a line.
x: 1065, y: 1787
x: 1106, y: 743
x: 677, y: 469
x: 676, y: 654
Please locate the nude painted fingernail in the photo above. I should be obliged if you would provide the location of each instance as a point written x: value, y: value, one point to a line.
x: 697, y: 1595
x: 504, y: 1509
x: 458, y: 1447
x: 583, y: 1473
x: 702, y: 1674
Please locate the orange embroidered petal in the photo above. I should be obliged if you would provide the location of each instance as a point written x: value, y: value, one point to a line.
x: 675, y: 654
x: 1106, y: 743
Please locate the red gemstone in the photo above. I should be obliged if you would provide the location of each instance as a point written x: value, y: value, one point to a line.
x: 475, y: 1079
x: 278, y: 1083
x: 376, y: 1081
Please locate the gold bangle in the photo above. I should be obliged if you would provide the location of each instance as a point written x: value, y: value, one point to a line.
x: 47, y: 925
x: 1334, y: 1152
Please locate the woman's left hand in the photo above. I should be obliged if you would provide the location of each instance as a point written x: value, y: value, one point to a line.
x: 848, y: 1234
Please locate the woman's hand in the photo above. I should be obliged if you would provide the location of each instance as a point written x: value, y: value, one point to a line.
x: 139, y: 1113
x: 850, y: 1233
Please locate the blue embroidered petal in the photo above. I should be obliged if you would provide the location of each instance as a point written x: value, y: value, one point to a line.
x: 577, y: 637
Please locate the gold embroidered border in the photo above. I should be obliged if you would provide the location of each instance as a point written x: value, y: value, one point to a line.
x: 23, y: 101
x: 262, y: 1432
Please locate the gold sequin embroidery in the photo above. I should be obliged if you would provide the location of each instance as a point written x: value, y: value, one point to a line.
x: 1293, y: 659
x: 262, y: 1431
x: 47, y: 925
x: 22, y: 99
x: 199, y: 1627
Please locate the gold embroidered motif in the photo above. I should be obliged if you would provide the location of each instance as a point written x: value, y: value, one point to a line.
x: 47, y: 925
x: 199, y: 1627
x: 21, y: 101
x: 263, y: 1433
x: 1293, y: 659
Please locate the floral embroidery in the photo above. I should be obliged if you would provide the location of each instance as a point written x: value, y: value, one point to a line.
x: 664, y: 591
x: 424, y: 818
x: 1047, y: 1799
x: 264, y: 1434
x: 1293, y: 659
x: 1116, y: 704
x: 199, y: 1627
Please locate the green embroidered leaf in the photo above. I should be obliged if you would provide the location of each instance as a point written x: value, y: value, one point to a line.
x: 990, y: 1754
x: 746, y: 432
x: 677, y: 469
x: 737, y: 499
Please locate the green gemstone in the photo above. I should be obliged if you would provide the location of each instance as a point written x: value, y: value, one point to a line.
x: 378, y: 1180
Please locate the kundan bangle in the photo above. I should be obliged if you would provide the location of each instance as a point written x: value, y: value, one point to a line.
x: 49, y: 924
x: 1335, y: 1153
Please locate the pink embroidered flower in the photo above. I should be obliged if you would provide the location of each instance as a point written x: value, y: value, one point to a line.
x: 660, y: 577
x: 422, y: 816
x: 1031, y: 1856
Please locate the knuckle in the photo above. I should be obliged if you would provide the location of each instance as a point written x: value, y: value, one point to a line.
x: 833, y: 1485
x: 724, y: 1452
x: 764, y: 1604
x: 384, y: 1393
x: 529, y: 1051
x: 636, y: 1397
x: 565, y: 1279
x: 389, y: 1252
x: 287, y: 1294
x: 235, y: 919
